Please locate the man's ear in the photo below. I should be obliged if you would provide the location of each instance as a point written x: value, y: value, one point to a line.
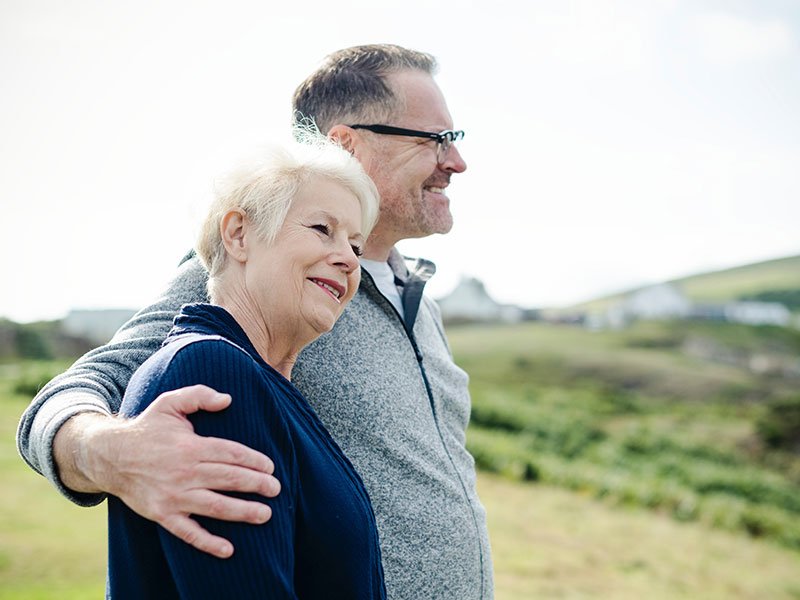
x: 234, y: 229
x: 352, y: 141
x: 346, y: 137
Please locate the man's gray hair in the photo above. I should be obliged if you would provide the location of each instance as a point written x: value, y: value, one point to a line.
x: 350, y: 86
x: 265, y: 186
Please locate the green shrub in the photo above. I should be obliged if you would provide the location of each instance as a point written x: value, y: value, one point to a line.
x: 789, y: 298
x: 28, y: 386
x: 779, y: 426
x: 567, y: 433
x: 498, y: 452
x: 28, y: 381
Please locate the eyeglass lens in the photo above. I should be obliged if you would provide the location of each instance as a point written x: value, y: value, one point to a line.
x: 445, y: 142
x: 444, y: 147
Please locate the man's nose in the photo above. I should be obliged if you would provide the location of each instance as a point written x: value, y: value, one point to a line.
x: 453, y: 162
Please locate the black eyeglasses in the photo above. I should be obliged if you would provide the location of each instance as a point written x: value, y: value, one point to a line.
x: 444, y: 139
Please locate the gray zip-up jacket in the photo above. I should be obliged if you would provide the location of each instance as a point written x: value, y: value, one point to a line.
x: 388, y: 391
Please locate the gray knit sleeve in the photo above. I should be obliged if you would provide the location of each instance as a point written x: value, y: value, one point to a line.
x: 97, y: 381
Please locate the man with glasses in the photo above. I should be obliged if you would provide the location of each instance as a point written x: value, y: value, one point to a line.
x: 444, y: 139
x: 382, y: 381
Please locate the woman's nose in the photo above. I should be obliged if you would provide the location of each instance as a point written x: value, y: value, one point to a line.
x: 345, y: 257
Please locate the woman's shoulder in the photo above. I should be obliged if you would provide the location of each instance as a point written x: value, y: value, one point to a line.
x: 190, y: 352
x: 193, y: 359
x: 204, y: 347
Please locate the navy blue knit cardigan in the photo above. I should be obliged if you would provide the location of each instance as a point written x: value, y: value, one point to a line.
x: 321, y: 541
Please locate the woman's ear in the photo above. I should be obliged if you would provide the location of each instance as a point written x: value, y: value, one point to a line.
x: 233, y: 229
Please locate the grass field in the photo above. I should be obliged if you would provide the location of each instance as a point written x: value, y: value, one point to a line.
x: 548, y: 542
x: 551, y: 543
x: 49, y: 548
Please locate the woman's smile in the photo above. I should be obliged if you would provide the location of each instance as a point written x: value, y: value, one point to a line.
x: 333, y: 288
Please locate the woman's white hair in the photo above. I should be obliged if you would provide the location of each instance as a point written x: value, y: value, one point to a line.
x: 265, y: 186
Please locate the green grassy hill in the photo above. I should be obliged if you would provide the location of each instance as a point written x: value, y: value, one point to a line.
x: 772, y: 280
x: 700, y: 421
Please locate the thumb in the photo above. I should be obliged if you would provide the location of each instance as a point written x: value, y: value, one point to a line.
x: 188, y: 400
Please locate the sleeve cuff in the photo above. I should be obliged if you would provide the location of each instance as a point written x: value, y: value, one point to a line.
x: 49, y: 419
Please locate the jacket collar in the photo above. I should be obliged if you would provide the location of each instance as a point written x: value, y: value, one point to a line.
x: 413, y: 274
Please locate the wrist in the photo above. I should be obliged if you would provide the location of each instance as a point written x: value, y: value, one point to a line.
x: 76, y: 450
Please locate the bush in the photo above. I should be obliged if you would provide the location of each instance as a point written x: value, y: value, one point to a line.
x: 779, y: 427
x: 499, y: 452
x: 564, y: 432
x: 26, y: 378
x: 30, y: 383
x: 789, y: 298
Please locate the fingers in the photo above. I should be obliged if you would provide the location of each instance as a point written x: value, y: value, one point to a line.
x: 217, y: 506
x: 190, y: 399
x: 233, y: 453
x: 226, y: 508
x: 232, y: 478
x: 190, y: 532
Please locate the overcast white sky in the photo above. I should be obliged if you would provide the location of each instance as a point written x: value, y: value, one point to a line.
x: 609, y: 143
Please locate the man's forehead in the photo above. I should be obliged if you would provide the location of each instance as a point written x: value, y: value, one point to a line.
x: 424, y: 106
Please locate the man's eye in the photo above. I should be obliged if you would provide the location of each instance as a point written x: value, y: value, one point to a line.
x: 322, y: 229
x: 357, y: 250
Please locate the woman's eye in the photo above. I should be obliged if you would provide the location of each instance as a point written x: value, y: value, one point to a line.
x: 322, y: 229
x: 357, y: 250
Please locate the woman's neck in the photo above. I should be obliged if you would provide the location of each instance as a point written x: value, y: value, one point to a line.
x: 279, y: 349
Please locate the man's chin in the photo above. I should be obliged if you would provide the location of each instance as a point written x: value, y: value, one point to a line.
x: 446, y: 228
x: 441, y: 226
x: 439, y: 218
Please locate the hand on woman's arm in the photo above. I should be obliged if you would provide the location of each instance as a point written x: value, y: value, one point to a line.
x: 165, y: 472
x: 262, y: 565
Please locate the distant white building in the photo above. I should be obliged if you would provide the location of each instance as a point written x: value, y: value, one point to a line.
x: 662, y: 301
x: 666, y: 301
x: 470, y: 301
x: 99, y: 326
x: 758, y: 313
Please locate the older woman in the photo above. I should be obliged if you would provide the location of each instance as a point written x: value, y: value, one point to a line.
x: 281, y: 245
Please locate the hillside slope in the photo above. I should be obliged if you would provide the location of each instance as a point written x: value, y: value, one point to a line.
x: 696, y: 420
x: 772, y: 280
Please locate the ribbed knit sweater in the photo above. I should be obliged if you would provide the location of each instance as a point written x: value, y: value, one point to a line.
x: 321, y: 541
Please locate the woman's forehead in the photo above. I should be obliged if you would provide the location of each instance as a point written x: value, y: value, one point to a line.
x: 327, y: 198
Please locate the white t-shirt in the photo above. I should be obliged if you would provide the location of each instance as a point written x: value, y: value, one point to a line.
x: 384, y: 278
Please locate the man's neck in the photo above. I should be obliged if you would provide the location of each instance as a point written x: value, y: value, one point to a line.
x: 377, y: 251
